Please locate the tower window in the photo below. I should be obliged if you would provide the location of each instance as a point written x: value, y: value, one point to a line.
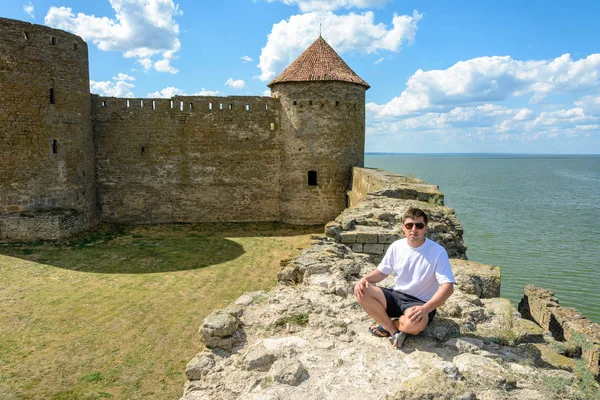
x: 312, y: 178
x: 54, y: 146
x: 52, y: 96
x: 53, y: 41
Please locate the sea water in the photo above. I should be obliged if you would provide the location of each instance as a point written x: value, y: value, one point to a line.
x: 537, y: 217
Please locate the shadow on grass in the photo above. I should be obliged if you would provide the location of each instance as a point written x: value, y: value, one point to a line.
x: 130, y: 250
x: 127, y: 249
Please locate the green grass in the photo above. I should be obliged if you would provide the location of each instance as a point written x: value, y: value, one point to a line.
x: 114, y: 313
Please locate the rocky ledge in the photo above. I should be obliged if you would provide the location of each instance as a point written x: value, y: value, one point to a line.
x: 308, y: 338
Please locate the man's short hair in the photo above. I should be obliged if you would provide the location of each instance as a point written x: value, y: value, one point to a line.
x: 414, y: 213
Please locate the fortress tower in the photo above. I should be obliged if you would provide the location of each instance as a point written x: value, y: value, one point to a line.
x: 70, y: 159
x: 323, y: 130
x: 46, y: 149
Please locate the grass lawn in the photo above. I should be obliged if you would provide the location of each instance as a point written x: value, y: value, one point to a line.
x: 115, y: 312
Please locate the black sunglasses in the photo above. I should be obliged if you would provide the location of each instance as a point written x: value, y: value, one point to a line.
x: 418, y: 225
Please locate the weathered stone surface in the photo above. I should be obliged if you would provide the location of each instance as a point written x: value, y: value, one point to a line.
x: 305, y: 341
x: 248, y: 298
x: 257, y: 359
x: 200, y: 366
x: 309, y: 338
x: 376, y: 219
x: 289, y: 372
x: 183, y: 159
x: 47, y: 168
x: 475, y: 278
x: 466, y: 344
x: 564, y: 323
x: 220, y: 330
x: 480, y: 368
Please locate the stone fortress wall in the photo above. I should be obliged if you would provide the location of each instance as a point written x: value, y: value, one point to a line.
x: 70, y: 159
x: 47, y: 172
x: 187, y: 159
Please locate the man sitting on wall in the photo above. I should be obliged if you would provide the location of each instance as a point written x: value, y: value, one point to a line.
x: 423, y: 281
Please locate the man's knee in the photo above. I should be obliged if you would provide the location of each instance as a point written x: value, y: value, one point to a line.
x: 371, y: 292
x: 407, y: 326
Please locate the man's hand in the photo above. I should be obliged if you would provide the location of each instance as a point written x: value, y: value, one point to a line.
x: 360, y: 287
x: 417, y: 314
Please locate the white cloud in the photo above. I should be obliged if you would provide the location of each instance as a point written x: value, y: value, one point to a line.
x: 117, y: 87
x: 267, y: 93
x: 123, y: 77
x: 246, y: 59
x: 140, y: 29
x: 379, y: 61
x: 237, y: 84
x: 173, y: 91
x: 590, y: 104
x: 165, y: 66
x: 523, y: 114
x: 345, y: 33
x: 146, y: 63
x: 29, y: 9
x: 488, y: 79
x: 330, y: 5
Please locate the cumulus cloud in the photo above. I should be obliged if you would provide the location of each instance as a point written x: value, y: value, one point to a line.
x: 330, y: 5
x: 165, y: 66
x: 29, y: 9
x: 141, y: 29
x: 523, y: 114
x: 246, y: 59
x: 236, y: 84
x: 173, y: 91
x: 488, y: 79
x: 123, y: 77
x: 267, y: 93
x: 345, y: 33
x: 117, y: 87
x: 590, y: 104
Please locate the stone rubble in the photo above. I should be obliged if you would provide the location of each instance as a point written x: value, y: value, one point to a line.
x: 308, y: 338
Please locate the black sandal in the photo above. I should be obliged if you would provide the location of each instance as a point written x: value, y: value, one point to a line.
x: 379, y: 331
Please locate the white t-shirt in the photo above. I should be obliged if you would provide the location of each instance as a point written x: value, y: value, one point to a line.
x: 418, y: 271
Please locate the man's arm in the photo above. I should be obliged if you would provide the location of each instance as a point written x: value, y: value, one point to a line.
x: 443, y: 293
x: 364, y: 282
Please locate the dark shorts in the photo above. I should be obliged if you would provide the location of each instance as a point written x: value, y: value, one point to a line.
x: 398, y: 303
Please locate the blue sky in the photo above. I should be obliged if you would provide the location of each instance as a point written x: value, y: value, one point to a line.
x: 445, y: 76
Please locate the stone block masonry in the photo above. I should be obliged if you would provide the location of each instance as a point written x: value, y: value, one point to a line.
x: 185, y: 159
x: 47, y: 164
x: 565, y: 324
x: 378, y: 200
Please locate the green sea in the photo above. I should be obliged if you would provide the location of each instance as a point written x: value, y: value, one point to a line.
x: 535, y: 216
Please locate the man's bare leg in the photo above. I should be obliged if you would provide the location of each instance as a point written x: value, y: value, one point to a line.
x: 412, y: 327
x: 374, y: 303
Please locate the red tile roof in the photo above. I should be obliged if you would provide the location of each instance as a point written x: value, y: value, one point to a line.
x: 319, y: 62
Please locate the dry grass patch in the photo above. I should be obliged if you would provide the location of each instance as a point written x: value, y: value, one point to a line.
x: 114, y: 313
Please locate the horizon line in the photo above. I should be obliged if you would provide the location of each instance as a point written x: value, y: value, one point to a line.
x: 484, y: 153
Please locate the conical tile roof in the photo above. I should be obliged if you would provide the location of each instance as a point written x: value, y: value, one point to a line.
x: 319, y: 62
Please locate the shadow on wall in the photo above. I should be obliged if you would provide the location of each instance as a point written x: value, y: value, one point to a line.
x: 131, y: 250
